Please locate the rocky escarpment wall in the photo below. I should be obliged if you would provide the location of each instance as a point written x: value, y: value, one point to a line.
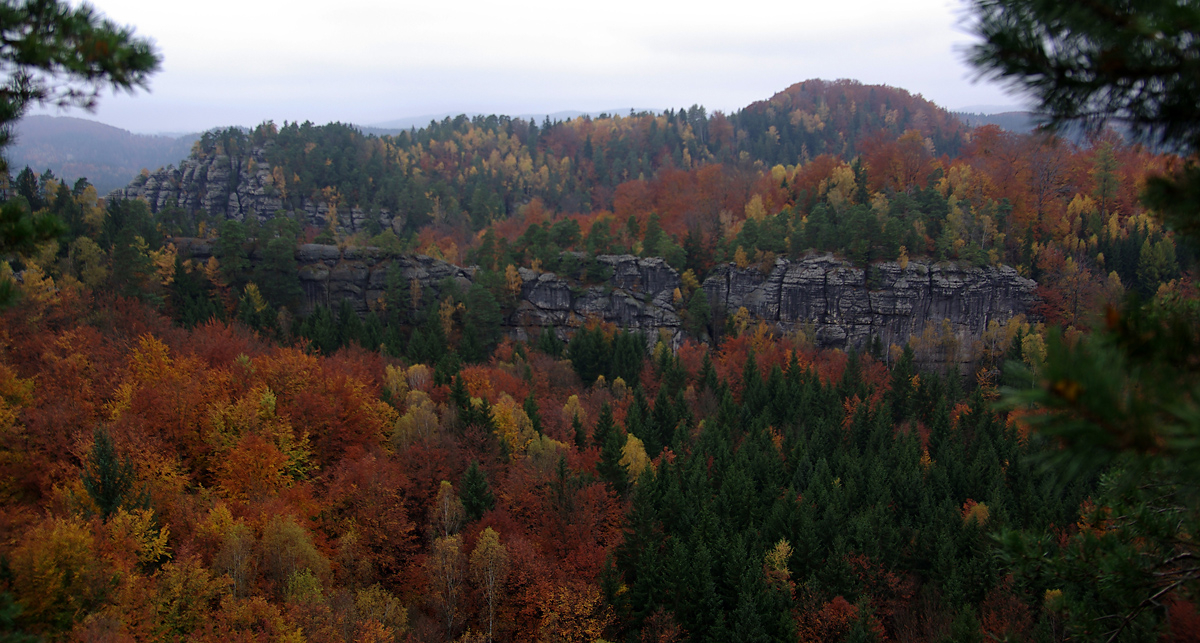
x: 844, y: 306
x: 837, y: 304
x: 240, y: 187
x: 637, y: 295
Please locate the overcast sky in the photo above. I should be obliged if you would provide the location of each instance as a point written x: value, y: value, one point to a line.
x: 228, y: 62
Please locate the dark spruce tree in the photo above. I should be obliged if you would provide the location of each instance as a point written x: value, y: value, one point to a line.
x: 477, y: 496
x: 108, y: 477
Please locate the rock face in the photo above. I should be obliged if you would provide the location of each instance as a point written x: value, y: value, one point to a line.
x: 638, y: 296
x: 847, y: 307
x: 833, y: 302
x: 240, y: 187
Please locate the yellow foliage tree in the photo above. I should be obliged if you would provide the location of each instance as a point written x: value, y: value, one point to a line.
x: 741, y: 321
x: 419, y: 422
x: 395, y: 381
x: 690, y: 281
x: 512, y: 281
x: 445, y: 570
x: 185, y: 597
x: 634, y: 458
x: 37, y: 285
x: 512, y: 423
x: 740, y: 259
x: 489, y: 569
x: 375, y: 605
x: 287, y: 548
x: 839, y: 188
x: 573, y: 409
x: 574, y: 613
x: 775, y: 562
x: 88, y: 262
x: 544, y: 453
x: 57, y: 574
x: 138, y: 532
x: 419, y: 377
x: 446, y: 515
x: 755, y: 209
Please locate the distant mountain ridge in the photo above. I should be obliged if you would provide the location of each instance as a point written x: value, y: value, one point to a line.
x: 488, y: 168
x: 399, y: 124
x: 1019, y: 122
x: 109, y: 157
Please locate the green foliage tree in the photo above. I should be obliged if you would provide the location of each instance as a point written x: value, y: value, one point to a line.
x: 477, y: 496
x: 1125, y: 400
x: 10, y: 612
x: 108, y: 477
x: 1097, y: 62
x: 699, y: 314
x: 20, y: 231
x: 530, y: 406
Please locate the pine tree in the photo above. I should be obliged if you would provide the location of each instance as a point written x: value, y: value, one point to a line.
x: 610, y: 468
x: 580, y: 434
x: 605, y: 425
x: 477, y: 495
x: 108, y: 477
x: 531, y: 409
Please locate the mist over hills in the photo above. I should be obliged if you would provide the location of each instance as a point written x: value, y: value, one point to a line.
x: 1019, y: 122
x: 75, y: 147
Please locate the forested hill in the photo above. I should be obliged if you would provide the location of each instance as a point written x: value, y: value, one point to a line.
x: 74, y: 147
x: 821, y: 117
x: 870, y: 173
x: 485, y: 168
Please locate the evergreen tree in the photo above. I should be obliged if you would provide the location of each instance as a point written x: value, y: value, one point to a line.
x: 699, y: 314
x: 549, y: 343
x: 628, y: 355
x: 610, y: 468
x: 579, y: 433
x: 653, y: 241
x: 276, y: 272
x: 232, y: 254
x: 191, y: 301
x: 108, y: 477
x: 605, y: 425
x: 349, y: 324
x: 477, y: 497
x: 531, y: 410
x: 589, y: 354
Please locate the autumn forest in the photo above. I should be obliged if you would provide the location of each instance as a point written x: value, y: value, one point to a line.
x: 191, y: 452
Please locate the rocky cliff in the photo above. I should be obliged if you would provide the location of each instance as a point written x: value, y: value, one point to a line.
x: 239, y: 187
x: 843, y: 306
x: 835, y: 303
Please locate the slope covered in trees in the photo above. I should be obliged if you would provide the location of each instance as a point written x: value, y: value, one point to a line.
x: 869, y: 172
x: 214, y: 485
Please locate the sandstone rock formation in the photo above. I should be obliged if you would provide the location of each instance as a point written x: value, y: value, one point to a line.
x: 833, y: 302
x: 844, y: 306
x: 240, y: 187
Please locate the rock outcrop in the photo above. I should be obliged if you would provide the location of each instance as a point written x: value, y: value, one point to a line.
x: 638, y: 296
x: 240, y: 187
x: 833, y: 302
x: 844, y: 306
